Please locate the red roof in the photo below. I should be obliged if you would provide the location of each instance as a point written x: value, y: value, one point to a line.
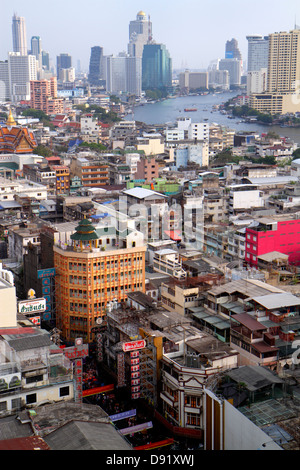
x: 248, y: 321
x: 173, y: 234
x: 16, y: 331
x: 24, y: 443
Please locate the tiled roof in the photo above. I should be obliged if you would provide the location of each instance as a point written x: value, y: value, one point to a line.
x: 16, y: 140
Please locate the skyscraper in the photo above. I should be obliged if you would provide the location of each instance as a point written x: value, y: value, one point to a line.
x: 234, y: 68
x: 22, y: 69
x: 19, y: 35
x: 283, y: 76
x: 36, y: 46
x: 156, y: 67
x: 232, y: 50
x: 283, y: 61
x: 124, y: 74
x: 140, y: 33
x: 258, y: 49
x: 96, y: 65
x: 63, y: 61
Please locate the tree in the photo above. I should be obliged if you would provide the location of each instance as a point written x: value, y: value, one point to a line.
x: 296, y: 154
x: 42, y: 151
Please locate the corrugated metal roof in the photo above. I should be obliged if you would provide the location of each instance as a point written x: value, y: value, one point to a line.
x: 79, y: 435
x: 277, y: 300
x: 20, y: 339
x: 255, y: 377
x: 246, y: 320
x: 142, y: 193
x: 250, y: 287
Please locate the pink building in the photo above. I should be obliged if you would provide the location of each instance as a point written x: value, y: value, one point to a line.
x: 147, y: 169
x: 282, y: 235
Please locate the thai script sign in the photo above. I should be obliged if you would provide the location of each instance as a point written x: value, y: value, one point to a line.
x: 134, y: 345
x: 32, y: 306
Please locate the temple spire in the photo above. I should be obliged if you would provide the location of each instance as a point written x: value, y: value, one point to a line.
x: 10, y: 120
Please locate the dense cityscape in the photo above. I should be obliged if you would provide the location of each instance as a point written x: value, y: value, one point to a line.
x: 150, y: 269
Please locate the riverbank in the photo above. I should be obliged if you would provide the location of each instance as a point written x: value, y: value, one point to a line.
x: 208, y: 109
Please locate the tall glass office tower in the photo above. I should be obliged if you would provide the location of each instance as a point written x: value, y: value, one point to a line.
x: 19, y: 35
x: 96, y: 64
x: 156, y: 67
x: 258, y: 52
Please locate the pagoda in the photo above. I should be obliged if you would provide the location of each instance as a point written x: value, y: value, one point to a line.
x: 85, y: 232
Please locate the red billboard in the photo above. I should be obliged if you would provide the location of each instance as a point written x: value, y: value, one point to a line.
x: 134, y: 345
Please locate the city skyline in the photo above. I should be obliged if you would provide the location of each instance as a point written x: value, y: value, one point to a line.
x: 188, y: 32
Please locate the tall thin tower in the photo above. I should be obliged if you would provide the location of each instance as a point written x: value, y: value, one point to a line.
x: 19, y: 35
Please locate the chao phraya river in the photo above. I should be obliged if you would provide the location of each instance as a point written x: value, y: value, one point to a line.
x: 167, y: 111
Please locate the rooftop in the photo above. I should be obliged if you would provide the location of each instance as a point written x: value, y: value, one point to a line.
x: 142, y: 193
x: 277, y: 300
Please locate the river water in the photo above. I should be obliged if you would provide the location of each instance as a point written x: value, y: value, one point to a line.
x: 169, y: 110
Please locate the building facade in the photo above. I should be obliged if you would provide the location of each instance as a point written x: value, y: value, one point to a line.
x: 140, y: 33
x: 19, y: 35
x: 280, y: 235
x: 283, y: 77
x: 156, y: 67
x: 43, y: 96
x: 93, y: 273
x: 95, y: 66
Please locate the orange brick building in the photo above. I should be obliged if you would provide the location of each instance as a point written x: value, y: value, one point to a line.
x: 62, y: 173
x: 99, y: 268
x: 43, y: 96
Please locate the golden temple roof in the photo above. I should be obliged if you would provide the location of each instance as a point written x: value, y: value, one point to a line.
x: 10, y: 120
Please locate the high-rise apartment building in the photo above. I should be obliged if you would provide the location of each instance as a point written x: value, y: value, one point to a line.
x: 19, y: 35
x: 63, y: 61
x: 99, y: 268
x: 234, y: 68
x: 258, y: 51
x: 22, y: 69
x: 96, y: 65
x: 282, y: 91
x: 124, y: 74
x: 156, y: 67
x: 193, y: 80
x: 43, y: 96
x: 4, y: 81
x: 140, y: 33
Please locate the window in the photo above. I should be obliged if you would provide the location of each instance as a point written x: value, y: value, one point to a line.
x: 35, y: 378
x: 31, y: 398
x: 3, y: 406
x: 64, y: 391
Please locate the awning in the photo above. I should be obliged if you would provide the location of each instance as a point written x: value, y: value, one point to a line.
x: 174, y: 234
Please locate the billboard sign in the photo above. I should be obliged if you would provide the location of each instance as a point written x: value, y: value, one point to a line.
x: 50, y: 272
x: 32, y: 306
x: 134, y: 345
x: 75, y: 352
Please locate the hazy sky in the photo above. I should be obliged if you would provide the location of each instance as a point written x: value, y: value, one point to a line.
x: 194, y: 31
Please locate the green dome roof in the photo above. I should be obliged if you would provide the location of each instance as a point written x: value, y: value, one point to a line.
x: 85, y: 231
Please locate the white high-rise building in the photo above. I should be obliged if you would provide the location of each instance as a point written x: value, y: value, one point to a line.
x: 234, y: 67
x: 257, y: 81
x: 19, y: 35
x: 4, y: 81
x: 258, y: 51
x: 140, y: 33
x: 21, y: 69
x: 124, y: 74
